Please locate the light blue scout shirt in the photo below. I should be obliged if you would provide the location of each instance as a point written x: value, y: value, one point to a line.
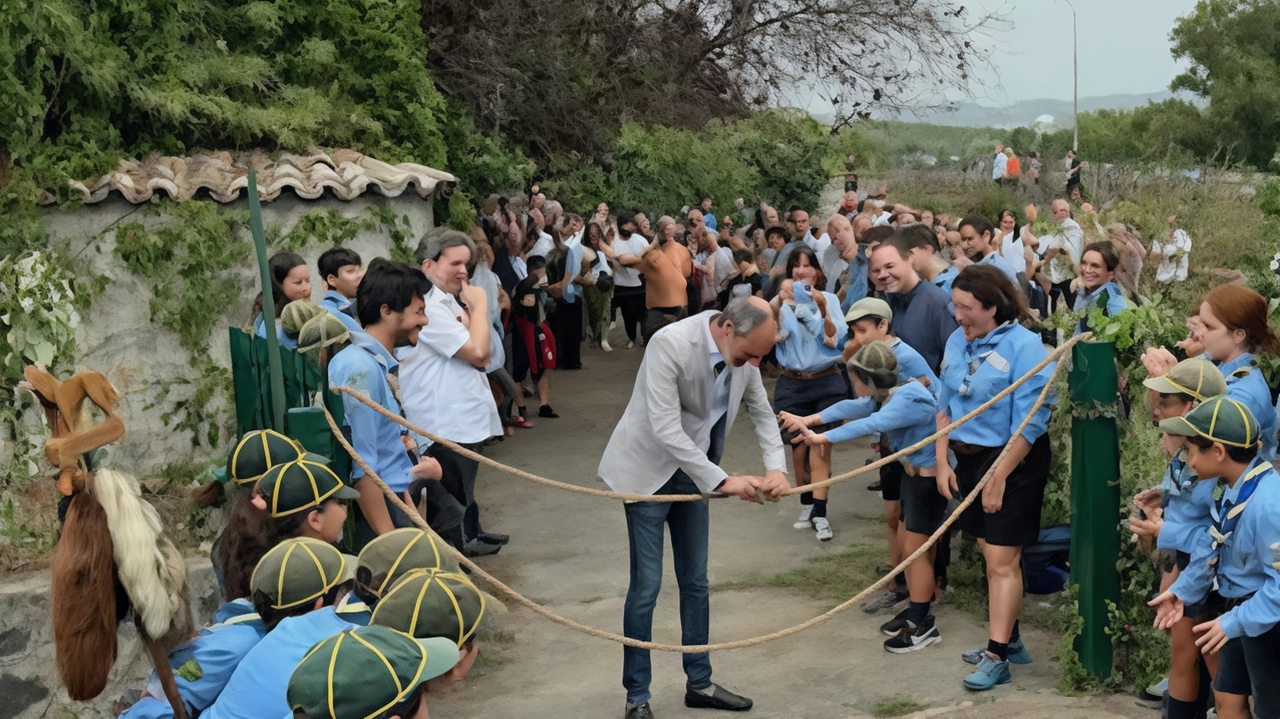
x: 803, y: 349
x: 258, y: 688
x: 1116, y: 303
x: 260, y: 329
x: 907, y: 417
x: 996, y: 260
x: 1246, y: 385
x: 946, y: 278
x: 1187, y: 503
x: 911, y: 365
x: 857, y: 280
x: 201, y: 668
x: 342, y: 308
x: 974, y: 372
x: 572, y: 266
x: 364, y: 366
x: 1245, y: 558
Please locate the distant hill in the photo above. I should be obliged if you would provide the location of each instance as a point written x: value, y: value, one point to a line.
x: 1027, y: 112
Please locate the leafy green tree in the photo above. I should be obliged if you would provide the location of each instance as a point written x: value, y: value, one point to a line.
x: 1233, y: 49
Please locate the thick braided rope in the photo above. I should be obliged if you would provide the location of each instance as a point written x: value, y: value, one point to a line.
x: 489, y: 462
x: 696, y: 649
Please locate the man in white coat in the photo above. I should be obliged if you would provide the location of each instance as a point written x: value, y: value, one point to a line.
x: 695, y: 375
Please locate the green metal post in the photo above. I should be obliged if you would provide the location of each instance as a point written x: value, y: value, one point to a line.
x: 268, y: 306
x: 1095, y: 500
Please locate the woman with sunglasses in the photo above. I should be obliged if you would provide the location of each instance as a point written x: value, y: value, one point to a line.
x: 985, y: 355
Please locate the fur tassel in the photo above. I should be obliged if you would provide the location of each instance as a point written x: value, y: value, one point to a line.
x: 84, y: 600
x: 150, y: 568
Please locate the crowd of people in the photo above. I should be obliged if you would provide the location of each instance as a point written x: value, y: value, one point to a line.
x: 881, y: 321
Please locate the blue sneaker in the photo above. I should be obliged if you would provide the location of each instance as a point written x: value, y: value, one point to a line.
x: 1018, y: 654
x: 990, y: 674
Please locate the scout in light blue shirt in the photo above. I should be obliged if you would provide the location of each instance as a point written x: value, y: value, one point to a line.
x: 1240, y: 550
x: 945, y: 278
x: 907, y: 416
x: 202, y: 667
x: 974, y: 372
x: 803, y: 348
x: 364, y: 366
x: 260, y: 329
x: 996, y: 260
x: 342, y: 308
x: 871, y: 320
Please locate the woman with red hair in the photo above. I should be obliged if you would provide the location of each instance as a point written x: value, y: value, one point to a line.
x: 1235, y: 327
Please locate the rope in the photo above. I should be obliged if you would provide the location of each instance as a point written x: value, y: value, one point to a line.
x: 520, y: 599
x: 513, y: 471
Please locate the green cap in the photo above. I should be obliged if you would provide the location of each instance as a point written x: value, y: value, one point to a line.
x: 301, y: 485
x: 1218, y: 419
x: 323, y: 330
x: 258, y: 451
x: 298, y: 313
x: 877, y: 363
x: 390, y: 556
x: 432, y: 603
x: 1196, y: 377
x: 869, y: 307
x: 299, y: 570
x: 362, y: 672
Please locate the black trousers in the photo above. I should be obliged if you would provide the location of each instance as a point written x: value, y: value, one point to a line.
x: 631, y: 301
x: 566, y: 325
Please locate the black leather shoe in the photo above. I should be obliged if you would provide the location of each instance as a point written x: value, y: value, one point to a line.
x: 640, y: 711
x: 721, y: 698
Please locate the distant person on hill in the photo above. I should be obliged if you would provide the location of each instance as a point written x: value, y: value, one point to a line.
x: 1060, y: 252
x: 1012, y: 167
x: 1172, y: 253
x: 999, y: 164
x: 1074, y: 169
x: 1033, y: 168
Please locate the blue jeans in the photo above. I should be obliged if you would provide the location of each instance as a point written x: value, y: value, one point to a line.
x: 689, y: 523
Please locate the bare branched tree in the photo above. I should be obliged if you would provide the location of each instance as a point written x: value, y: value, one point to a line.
x: 561, y: 73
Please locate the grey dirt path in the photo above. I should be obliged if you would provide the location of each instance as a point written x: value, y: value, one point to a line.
x: 569, y: 552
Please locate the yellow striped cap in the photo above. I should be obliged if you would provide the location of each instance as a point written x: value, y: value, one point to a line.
x: 301, y: 485
x: 432, y: 603
x: 390, y: 556
x: 1218, y: 419
x: 299, y: 570
x: 258, y: 451
x: 360, y: 673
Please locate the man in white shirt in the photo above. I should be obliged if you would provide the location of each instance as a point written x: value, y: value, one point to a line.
x: 695, y: 375
x: 1173, y: 253
x: 442, y: 379
x: 1061, y: 253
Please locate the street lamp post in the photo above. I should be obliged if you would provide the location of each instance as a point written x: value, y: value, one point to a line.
x: 1075, y: 79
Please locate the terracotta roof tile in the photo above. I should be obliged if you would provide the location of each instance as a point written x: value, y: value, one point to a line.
x: 347, y: 174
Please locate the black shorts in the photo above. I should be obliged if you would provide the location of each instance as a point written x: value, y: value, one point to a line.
x: 1017, y: 523
x: 923, y: 508
x: 803, y: 397
x: 1250, y: 665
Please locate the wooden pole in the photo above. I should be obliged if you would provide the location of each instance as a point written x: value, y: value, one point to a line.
x: 160, y: 660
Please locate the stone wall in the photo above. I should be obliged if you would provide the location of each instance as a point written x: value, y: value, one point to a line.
x: 116, y: 335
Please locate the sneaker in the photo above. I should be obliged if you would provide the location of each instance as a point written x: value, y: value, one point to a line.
x: 521, y: 422
x: 639, y: 711
x: 546, y: 411
x: 1018, y: 654
x: 894, y: 626
x: 823, y: 528
x: 604, y: 345
x: 806, y: 514
x: 477, y: 548
x: 914, y: 637
x: 989, y: 674
x: 891, y: 598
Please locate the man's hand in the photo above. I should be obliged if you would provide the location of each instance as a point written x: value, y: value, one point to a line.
x: 1148, y: 500
x: 946, y: 479
x: 741, y: 486
x: 812, y: 439
x: 773, y: 485
x: 428, y: 468
x: 473, y: 297
x: 1212, y: 637
x: 1168, y: 610
x: 1149, y: 527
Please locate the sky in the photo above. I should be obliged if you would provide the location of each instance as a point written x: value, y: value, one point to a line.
x: 1124, y: 47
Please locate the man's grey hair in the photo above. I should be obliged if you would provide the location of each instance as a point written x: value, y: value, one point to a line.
x: 745, y: 315
x: 437, y: 240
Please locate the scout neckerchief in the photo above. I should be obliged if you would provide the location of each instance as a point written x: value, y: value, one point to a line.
x: 1225, y: 512
x: 1181, y: 477
x: 981, y: 351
